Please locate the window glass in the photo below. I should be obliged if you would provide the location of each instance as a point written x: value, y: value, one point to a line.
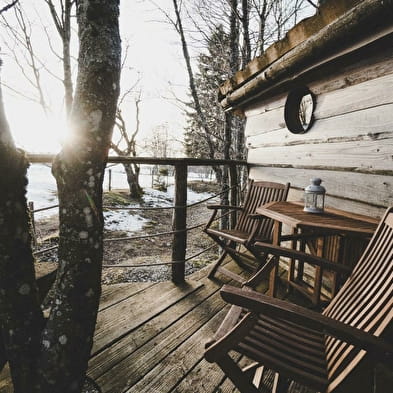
x: 299, y: 110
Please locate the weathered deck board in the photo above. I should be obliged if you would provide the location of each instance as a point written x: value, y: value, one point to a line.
x: 166, y: 333
x: 150, y: 337
x: 165, y: 376
x: 155, y: 338
x: 162, y: 335
x: 118, y: 320
x: 116, y: 293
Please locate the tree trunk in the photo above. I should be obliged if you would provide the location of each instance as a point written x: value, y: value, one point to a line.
x: 68, y: 87
x: 218, y: 173
x: 79, y: 171
x: 193, y: 89
x: 228, y: 126
x: 224, y: 221
x: 246, y: 55
x: 53, y: 357
x: 20, y: 315
x: 67, y: 72
x: 132, y: 172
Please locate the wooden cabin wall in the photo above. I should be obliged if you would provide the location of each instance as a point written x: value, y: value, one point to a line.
x: 349, y: 146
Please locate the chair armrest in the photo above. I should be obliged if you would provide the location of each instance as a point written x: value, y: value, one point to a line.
x: 256, y: 216
x: 260, y: 303
x: 312, y: 259
x: 215, y: 209
x: 214, y: 206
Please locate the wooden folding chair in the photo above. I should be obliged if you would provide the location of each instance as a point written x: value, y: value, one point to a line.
x: 335, y: 351
x: 249, y: 227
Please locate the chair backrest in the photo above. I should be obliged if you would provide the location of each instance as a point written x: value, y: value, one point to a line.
x: 365, y: 301
x: 259, y: 193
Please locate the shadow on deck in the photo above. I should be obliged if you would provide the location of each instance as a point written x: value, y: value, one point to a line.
x: 150, y: 337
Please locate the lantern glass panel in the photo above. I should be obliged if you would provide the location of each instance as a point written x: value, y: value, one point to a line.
x: 314, y: 202
x: 314, y: 196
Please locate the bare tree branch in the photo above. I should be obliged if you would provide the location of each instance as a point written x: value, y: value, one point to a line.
x: 312, y: 3
x: 7, y: 7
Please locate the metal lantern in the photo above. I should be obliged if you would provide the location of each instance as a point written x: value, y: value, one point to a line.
x: 314, y: 197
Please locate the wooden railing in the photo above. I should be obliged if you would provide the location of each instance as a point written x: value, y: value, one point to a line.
x: 179, y: 227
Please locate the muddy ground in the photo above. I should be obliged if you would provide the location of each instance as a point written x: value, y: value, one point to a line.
x: 139, y: 251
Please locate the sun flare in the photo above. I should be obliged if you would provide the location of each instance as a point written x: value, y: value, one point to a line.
x: 35, y: 132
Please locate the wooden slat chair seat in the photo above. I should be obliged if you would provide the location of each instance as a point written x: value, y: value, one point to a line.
x: 330, y: 352
x: 249, y: 227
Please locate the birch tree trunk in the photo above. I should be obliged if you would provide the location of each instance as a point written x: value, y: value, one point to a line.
x: 52, y: 356
x: 194, y: 93
x: 62, y: 22
x: 132, y: 173
x: 79, y: 172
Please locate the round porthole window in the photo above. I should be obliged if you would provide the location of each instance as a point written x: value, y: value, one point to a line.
x: 299, y: 110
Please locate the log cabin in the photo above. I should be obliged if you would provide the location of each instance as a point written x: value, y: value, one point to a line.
x: 319, y: 103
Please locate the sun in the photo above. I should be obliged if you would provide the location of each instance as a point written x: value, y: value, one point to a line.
x: 34, y: 131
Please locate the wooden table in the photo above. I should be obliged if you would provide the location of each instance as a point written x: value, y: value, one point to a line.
x: 334, y: 234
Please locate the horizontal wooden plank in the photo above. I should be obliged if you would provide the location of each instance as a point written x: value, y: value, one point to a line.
x: 164, y: 377
x: 108, y: 358
x: 376, y: 64
x: 206, y: 377
x: 259, y: 108
x: 123, y: 317
x: 364, y: 95
x: 266, y: 122
x: 115, y: 293
x: 371, y: 189
x: 269, y: 115
x: 131, y: 369
x: 366, y: 155
x: 368, y: 123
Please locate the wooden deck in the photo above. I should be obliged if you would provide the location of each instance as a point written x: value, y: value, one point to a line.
x: 150, y: 337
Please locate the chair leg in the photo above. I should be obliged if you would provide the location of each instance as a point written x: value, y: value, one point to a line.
x: 216, y: 265
x: 228, y: 250
x: 235, y: 374
x: 263, y: 272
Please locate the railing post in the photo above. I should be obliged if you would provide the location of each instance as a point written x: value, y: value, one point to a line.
x: 179, y: 224
x: 109, y: 179
x: 233, y: 180
x: 32, y: 223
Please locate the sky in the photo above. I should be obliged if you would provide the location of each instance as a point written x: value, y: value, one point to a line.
x: 154, y: 54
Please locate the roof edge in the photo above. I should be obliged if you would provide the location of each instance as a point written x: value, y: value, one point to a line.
x: 338, y: 23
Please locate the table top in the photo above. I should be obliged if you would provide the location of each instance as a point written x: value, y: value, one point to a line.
x: 292, y: 213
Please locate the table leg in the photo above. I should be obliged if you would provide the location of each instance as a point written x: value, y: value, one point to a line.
x: 277, y: 226
x: 318, y: 274
x: 294, y: 264
x: 300, y: 267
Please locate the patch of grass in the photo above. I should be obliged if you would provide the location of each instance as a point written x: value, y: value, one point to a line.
x: 202, y: 186
x: 199, y: 263
x: 113, y: 198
